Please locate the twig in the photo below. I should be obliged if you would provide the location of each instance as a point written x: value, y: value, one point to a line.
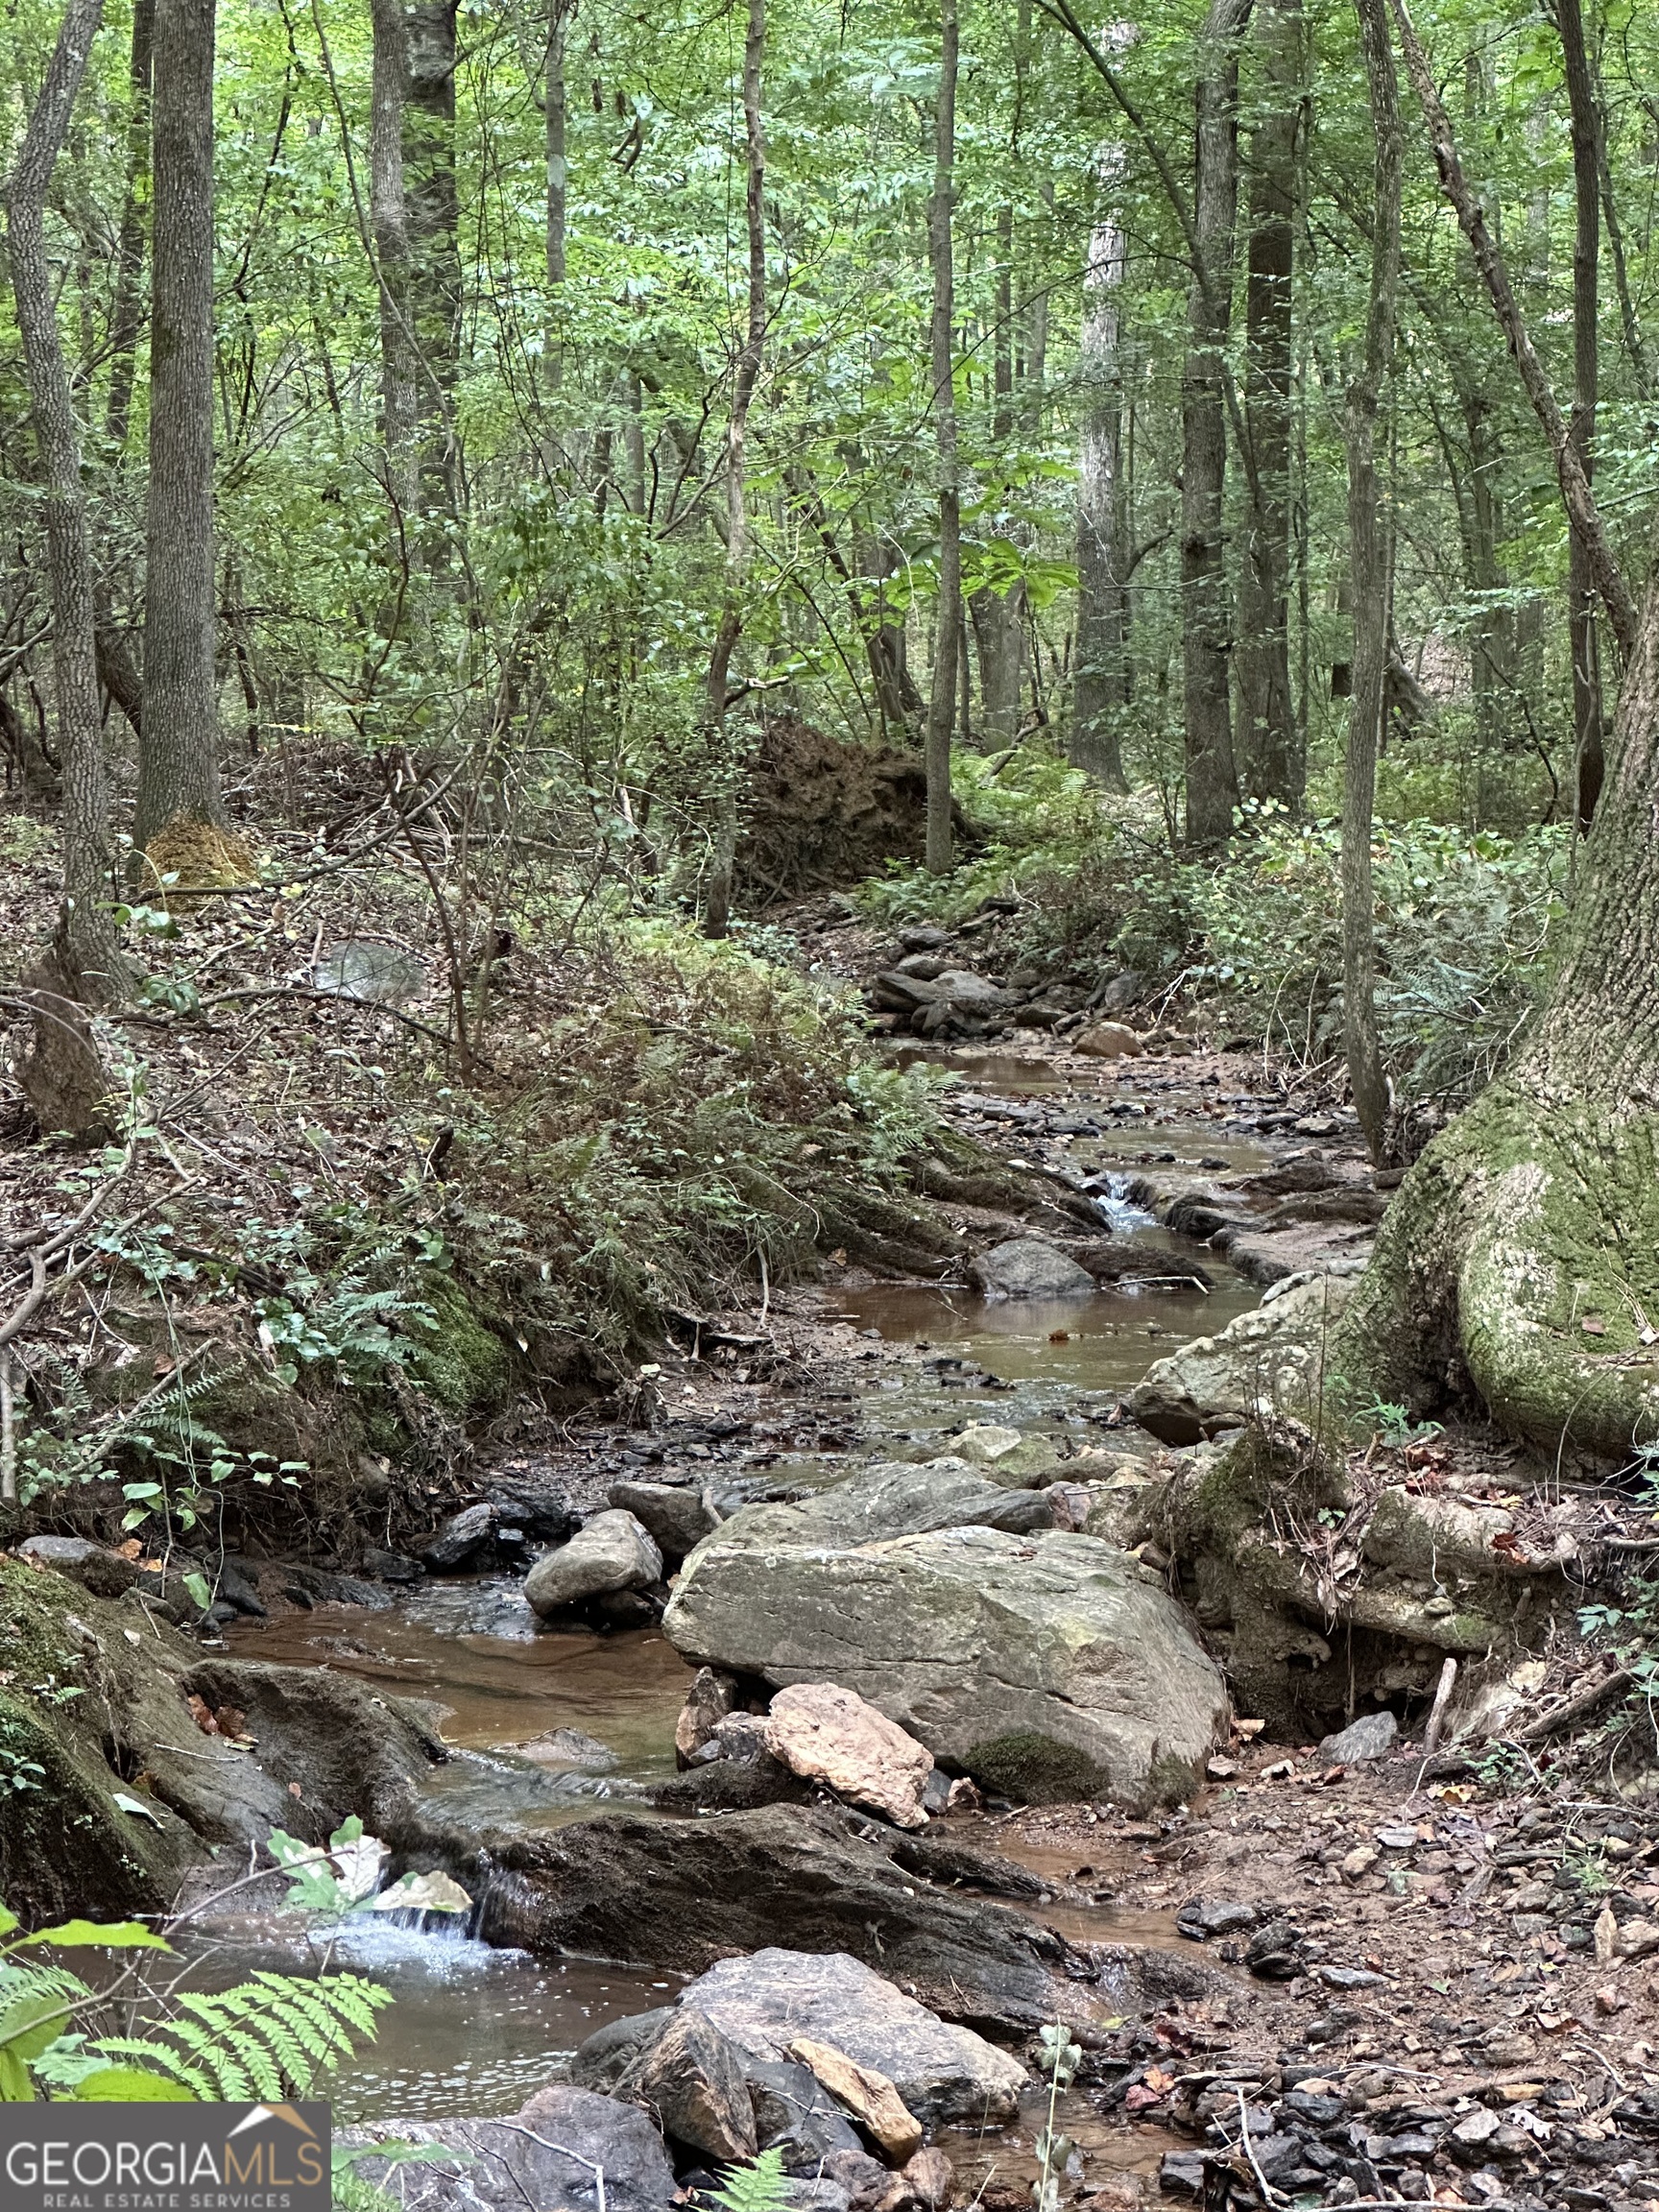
x: 1269, y: 2195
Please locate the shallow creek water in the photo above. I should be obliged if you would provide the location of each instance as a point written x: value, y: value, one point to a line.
x: 474, y: 2029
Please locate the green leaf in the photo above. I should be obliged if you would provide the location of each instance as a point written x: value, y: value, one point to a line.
x: 138, y: 1806
x: 200, y: 1595
x: 106, y: 1935
x: 129, y: 2085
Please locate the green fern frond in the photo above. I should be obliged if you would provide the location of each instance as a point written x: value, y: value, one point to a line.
x: 161, y: 2061
x: 267, y: 2038
x: 758, y: 2186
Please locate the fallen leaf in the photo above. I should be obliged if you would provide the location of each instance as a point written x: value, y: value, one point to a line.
x: 1592, y: 1325
x: 135, y: 1805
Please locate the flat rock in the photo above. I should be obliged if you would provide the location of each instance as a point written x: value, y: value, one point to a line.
x: 569, y: 1747
x: 1373, y: 1736
x: 1026, y: 1267
x: 613, y: 1553
x: 867, y: 2093
x: 687, y: 1892
x: 105, y: 1574
x: 768, y: 2003
x: 513, y: 2163
x: 1267, y: 1361
x: 673, y: 1515
x: 1044, y: 1664
x: 830, y: 1735
x: 891, y: 1499
x: 792, y: 2110
x: 1108, y: 1041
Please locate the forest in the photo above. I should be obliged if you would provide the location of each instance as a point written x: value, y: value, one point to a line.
x: 829, y: 1095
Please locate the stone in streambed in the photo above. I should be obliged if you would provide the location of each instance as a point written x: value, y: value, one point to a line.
x: 674, y: 1516
x: 1267, y: 1361
x: 891, y: 1499
x: 827, y: 1734
x: 710, y: 1698
x: 1109, y: 1041
x: 546, y: 2154
x: 1044, y: 1664
x: 768, y: 2004
x: 792, y: 2110
x: 1025, y: 1267
x: 611, y: 1553
x: 1373, y: 1736
x: 867, y: 2093
x: 460, y: 1540
x: 690, y: 2078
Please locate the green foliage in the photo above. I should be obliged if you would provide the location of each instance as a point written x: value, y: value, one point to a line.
x: 761, y: 2185
x: 1393, y: 1425
x: 344, y: 1879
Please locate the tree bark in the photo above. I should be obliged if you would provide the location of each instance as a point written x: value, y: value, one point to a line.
x: 1585, y: 111
x: 997, y: 616
x: 717, y: 904
x: 1207, y: 629
x: 1371, y: 565
x: 127, y: 309
x: 558, y: 25
x: 389, y: 221
x: 86, y: 926
x: 1101, y: 683
x: 179, y: 746
x: 1271, y: 764
x: 434, y: 256
x: 942, y: 698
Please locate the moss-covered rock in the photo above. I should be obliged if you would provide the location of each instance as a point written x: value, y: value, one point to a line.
x: 459, y: 1357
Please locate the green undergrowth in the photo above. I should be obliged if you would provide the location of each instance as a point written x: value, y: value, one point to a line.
x: 1467, y: 923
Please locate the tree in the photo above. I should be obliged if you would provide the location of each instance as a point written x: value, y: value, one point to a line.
x: 389, y: 217
x: 1100, y: 687
x: 718, y: 903
x: 1522, y: 1255
x: 1272, y: 759
x: 1581, y: 637
x: 948, y: 629
x: 1371, y: 567
x: 179, y: 746
x: 1207, y: 634
x: 89, y: 961
x: 434, y: 257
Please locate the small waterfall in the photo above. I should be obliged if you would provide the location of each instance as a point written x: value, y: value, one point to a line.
x: 1117, y: 1210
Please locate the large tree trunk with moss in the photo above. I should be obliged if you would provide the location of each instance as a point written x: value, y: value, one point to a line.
x: 1521, y: 1260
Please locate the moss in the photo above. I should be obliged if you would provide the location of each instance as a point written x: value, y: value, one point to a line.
x: 1169, y: 1781
x: 459, y: 1360
x: 1032, y: 1770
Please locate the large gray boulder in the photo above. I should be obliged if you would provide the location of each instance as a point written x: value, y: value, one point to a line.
x: 673, y: 1515
x: 1026, y: 1267
x: 546, y: 2154
x: 763, y: 2003
x: 891, y: 1499
x: 1045, y: 1665
x: 1267, y: 1361
x: 613, y: 1553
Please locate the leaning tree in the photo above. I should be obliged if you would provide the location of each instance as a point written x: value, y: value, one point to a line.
x: 1521, y: 1254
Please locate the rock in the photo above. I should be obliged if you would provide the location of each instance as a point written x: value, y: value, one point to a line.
x: 391, y: 1566
x: 1044, y: 1666
x: 829, y: 1734
x: 690, y: 2078
x: 776, y: 1999
x: 1276, y: 1952
x: 953, y: 991
x: 1006, y: 1455
x: 710, y: 1698
x: 1108, y: 1041
x: 868, y: 2095
x: 1265, y: 1362
x: 1025, y: 1267
x: 1351, y: 1978
x: 460, y: 1540
x: 1373, y: 1736
x: 613, y: 1553
x: 547, y: 1516
x: 568, y: 1748
x: 932, y: 2179
x: 795, y: 2113
x: 865, y: 2180
x: 891, y: 1499
x: 674, y: 1517
x: 692, y: 1891
x: 105, y: 1574
x: 1208, y: 1916
x: 601, y: 2062
x: 1358, y: 1862
x: 546, y: 2154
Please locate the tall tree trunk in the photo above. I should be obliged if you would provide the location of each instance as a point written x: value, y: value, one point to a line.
x: 942, y: 698
x: 88, y: 929
x: 998, y: 616
x: 558, y: 176
x: 1101, y: 683
x: 1369, y: 555
x: 1582, y: 426
x: 126, y: 308
x: 434, y: 256
x: 717, y: 904
x: 179, y: 747
x: 389, y: 218
x: 1271, y: 762
x: 1207, y: 629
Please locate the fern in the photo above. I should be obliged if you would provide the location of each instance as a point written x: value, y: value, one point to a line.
x: 270, y: 2038
x: 759, y: 2186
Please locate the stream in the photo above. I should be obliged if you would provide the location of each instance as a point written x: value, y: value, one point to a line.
x: 474, y: 2029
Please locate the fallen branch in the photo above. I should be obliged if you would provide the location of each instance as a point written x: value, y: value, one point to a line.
x: 1581, y: 1704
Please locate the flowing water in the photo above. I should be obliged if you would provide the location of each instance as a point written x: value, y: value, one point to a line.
x: 474, y: 2029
